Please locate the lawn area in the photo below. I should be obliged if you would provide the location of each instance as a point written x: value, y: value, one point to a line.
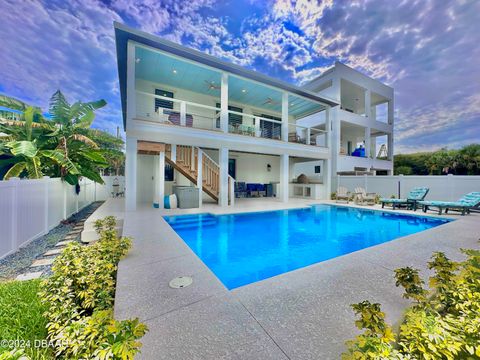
x: 21, y: 317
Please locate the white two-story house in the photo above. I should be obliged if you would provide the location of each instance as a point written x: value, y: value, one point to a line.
x: 193, y: 119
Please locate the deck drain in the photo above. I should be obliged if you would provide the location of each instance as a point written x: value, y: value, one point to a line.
x: 180, y: 282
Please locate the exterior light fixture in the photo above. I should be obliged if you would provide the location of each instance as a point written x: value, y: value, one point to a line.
x: 174, y: 71
x: 244, y: 91
x: 269, y: 167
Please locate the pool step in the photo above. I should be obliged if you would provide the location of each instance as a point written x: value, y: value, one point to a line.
x: 184, y: 222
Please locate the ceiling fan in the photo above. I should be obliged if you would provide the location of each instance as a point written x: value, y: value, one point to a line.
x: 270, y: 101
x: 211, y: 85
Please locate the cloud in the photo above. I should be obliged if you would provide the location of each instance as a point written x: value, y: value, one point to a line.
x: 428, y: 52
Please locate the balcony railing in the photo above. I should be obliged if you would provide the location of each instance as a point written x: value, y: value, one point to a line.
x: 189, y: 114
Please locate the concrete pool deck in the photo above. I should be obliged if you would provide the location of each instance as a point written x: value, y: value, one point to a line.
x: 302, y: 314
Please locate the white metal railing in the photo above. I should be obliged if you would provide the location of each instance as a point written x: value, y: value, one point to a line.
x: 190, y: 114
x: 307, y: 135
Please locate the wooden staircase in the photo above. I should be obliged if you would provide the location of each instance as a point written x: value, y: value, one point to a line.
x: 187, y: 164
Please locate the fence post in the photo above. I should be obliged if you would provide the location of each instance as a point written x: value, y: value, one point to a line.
x: 64, y: 200
x: 46, y: 180
x: 450, y: 186
x: 400, y: 179
x: 15, y: 182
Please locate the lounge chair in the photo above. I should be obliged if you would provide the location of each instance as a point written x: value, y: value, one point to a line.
x: 342, y: 195
x: 364, y: 198
x: 414, y: 196
x: 463, y: 205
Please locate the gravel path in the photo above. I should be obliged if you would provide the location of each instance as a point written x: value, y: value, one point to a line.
x: 19, y: 262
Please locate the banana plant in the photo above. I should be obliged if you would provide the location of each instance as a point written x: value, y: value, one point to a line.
x: 73, y: 123
x: 24, y: 147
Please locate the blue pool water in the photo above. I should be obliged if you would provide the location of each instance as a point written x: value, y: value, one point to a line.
x: 248, y: 247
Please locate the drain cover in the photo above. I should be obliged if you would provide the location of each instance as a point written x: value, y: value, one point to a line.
x: 181, y: 282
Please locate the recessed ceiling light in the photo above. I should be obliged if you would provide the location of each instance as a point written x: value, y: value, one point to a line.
x: 137, y: 60
x: 174, y: 71
x: 244, y: 91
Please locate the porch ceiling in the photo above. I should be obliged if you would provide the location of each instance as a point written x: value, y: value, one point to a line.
x: 174, y: 72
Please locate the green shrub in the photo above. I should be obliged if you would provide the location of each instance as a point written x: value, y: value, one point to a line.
x: 21, y: 318
x: 444, y: 322
x: 80, y: 295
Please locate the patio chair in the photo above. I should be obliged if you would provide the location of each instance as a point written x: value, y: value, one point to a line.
x: 414, y: 196
x: 463, y: 205
x: 240, y: 189
x: 342, y: 195
x: 364, y: 198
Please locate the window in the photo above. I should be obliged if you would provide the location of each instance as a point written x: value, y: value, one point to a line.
x: 233, y: 119
x: 168, y: 172
x: 269, y: 129
x: 318, y: 169
x: 163, y: 103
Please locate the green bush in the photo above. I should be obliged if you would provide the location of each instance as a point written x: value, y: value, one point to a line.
x: 79, y: 297
x: 21, y: 318
x: 443, y: 322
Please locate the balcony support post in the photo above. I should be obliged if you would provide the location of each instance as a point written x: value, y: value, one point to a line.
x: 223, y: 162
x: 368, y: 142
x: 224, y: 103
x: 183, y: 113
x: 285, y: 116
x: 284, y: 177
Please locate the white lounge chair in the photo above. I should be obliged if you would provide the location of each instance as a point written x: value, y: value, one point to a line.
x: 364, y: 198
x: 342, y: 195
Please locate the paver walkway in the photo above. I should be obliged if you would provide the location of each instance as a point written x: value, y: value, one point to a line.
x: 303, y: 314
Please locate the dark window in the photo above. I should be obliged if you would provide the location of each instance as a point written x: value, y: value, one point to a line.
x: 233, y: 119
x: 269, y: 129
x: 232, y: 165
x: 168, y: 172
x: 318, y: 169
x: 163, y: 103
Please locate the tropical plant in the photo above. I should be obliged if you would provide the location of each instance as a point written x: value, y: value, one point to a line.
x: 79, y: 297
x: 60, y: 147
x: 444, y: 322
x: 73, y: 122
x: 27, y: 147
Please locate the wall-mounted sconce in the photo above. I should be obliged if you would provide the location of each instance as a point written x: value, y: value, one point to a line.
x: 269, y: 167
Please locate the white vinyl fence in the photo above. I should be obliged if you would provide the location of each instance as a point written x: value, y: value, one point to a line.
x: 446, y: 187
x: 31, y: 208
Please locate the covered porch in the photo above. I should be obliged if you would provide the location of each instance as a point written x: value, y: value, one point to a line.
x: 219, y: 177
x: 171, y: 90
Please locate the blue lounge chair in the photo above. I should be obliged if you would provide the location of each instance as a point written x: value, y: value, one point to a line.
x: 463, y: 205
x: 414, y: 196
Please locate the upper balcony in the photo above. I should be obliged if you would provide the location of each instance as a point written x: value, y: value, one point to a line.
x: 171, y: 91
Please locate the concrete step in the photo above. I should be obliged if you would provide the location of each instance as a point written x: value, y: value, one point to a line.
x: 29, y: 276
x: 42, y: 262
x: 53, y: 252
x: 64, y: 243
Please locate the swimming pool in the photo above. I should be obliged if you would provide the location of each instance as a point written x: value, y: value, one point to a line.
x: 248, y: 247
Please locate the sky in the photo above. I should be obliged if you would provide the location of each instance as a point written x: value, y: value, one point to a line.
x: 427, y: 50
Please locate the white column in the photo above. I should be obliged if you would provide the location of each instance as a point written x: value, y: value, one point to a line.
x: 183, y: 113
x: 368, y: 142
x: 200, y: 177
x: 333, y: 153
x: 223, y: 162
x: 131, y: 94
x: 224, y: 103
x: 130, y: 173
x: 173, y: 155
x: 284, y: 177
x: 257, y: 127
x: 368, y: 103
x: 391, y: 112
x: 390, y: 146
x: 285, y: 116
x: 160, y: 179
